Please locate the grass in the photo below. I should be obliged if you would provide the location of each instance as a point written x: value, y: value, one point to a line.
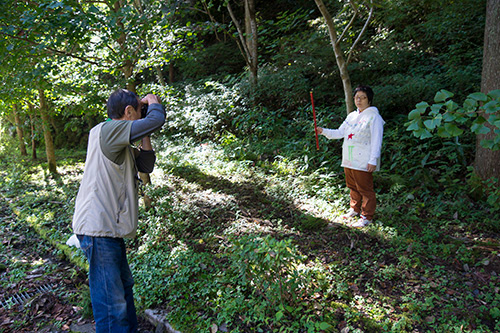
x: 253, y: 246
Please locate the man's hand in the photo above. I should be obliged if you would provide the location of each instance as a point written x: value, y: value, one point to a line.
x: 371, y: 168
x: 320, y: 130
x: 151, y: 99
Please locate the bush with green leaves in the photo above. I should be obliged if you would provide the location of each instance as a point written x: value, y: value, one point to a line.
x: 216, y: 61
x: 446, y: 118
x: 203, y: 110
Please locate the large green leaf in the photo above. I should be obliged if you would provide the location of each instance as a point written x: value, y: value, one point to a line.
x: 448, y: 117
x: 492, y: 107
x: 442, y: 96
x: 453, y: 129
x: 422, y: 133
x: 414, y: 125
x: 415, y: 114
x: 441, y: 132
x: 478, y: 126
x: 435, y: 109
x: 470, y: 104
x: 451, y: 105
x: 478, y: 96
x: 433, y: 123
x: 494, y: 94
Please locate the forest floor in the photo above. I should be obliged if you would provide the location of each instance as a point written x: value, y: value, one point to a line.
x: 48, y: 297
x: 411, y: 270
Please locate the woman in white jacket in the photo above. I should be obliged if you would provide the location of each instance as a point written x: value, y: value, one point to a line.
x: 362, y: 132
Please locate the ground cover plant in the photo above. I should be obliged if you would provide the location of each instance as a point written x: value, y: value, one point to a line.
x: 251, y: 243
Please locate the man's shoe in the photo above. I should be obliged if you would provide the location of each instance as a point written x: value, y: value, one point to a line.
x: 362, y: 222
x: 351, y: 213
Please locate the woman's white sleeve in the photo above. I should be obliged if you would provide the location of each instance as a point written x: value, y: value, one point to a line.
x: 334, y: 133
x: 377, y: 132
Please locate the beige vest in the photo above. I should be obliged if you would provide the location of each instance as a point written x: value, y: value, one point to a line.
x: 107, y: 201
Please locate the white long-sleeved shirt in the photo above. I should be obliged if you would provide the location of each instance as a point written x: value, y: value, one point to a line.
x: 362, y: 133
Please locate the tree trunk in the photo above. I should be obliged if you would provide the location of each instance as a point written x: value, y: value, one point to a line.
x: 49, y: 143
x: 251, y: 38
x: 33, y: 141
x: 161, y: 78
x: 487, y: 162
x: 339, y: 56
x: 247, y: 40
x: 19, y: 131
x: 170, y: 72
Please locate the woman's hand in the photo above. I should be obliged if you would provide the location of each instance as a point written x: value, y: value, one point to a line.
x: 320, y: 130
x: 371, y: 168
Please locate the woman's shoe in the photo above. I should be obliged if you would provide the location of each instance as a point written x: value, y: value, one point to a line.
x: 362, y: 222
x: 351, y: 213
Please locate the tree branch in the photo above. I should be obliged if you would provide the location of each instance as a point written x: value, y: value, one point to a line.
x: 361, y: 32
x: 351, y: 22
x: 246, y: 54
x: 53, y: 50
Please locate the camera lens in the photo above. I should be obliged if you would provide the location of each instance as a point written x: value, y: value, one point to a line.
x: 144, y: 110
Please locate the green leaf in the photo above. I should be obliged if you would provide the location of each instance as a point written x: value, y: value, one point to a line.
x: 494, y: 94
x: 422, y: 133
x: 442, y: 96
x: 488, y: 144
x: 478, y: 96
x: 492, y: 107
x: 451, y: 106
x: 453, y: 129
x: 430, y: 124
x: 415, y: 114
x: 324, y: 326
x: 478, y: 126
x: 422, y: 106
x: 279, y: 315
x: 414, y: 125
x: 442, y: 133
x: 493, y: 119
x: 449, y: 117
x: 433, y: 123
x: 470, y: 104
x: 435, y: 109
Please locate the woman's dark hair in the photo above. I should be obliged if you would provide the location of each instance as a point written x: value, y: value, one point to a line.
x: 119, y: 100
x: 367, y: 90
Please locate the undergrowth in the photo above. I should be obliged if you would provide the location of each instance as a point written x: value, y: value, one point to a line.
x: 248, y: 239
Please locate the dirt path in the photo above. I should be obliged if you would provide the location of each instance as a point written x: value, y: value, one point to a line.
x: 39, y: 290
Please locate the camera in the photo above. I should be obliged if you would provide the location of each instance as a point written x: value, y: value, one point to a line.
x: 144, y: 110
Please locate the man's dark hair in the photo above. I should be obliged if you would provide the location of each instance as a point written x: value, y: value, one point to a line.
x: 367, y: 90
x: 119, y: 100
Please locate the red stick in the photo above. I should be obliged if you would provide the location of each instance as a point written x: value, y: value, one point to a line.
x: 315, y: 127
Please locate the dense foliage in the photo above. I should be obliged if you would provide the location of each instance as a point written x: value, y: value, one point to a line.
x: 246, y: 243
x: 243, y: 234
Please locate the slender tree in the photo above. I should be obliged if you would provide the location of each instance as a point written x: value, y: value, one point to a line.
x: 32, y: 126
x: 49, y: 143
x: 19, y: 130
x: 247, y: 42
x: 341, y: 57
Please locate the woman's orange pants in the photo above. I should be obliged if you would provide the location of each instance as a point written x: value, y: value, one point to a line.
x: 363, y: 198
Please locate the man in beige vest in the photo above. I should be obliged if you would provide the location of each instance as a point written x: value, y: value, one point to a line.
x: 107, y: 204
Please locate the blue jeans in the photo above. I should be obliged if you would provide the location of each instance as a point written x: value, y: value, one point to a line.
x: 110, y: 283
